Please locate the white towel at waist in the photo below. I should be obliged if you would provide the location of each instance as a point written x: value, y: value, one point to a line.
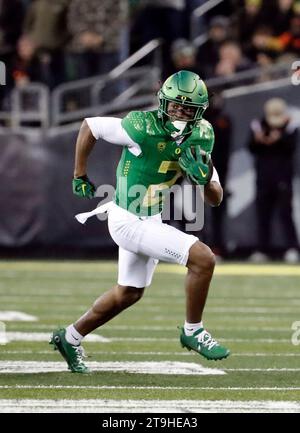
x: 82, y: 217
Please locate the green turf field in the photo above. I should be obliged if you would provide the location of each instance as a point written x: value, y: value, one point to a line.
x: 139, y: 364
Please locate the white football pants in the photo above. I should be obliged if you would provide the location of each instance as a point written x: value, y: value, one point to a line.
x: 143, y: 241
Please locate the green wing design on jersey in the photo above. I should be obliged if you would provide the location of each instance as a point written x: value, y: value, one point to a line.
x: 202, y: 136
x: 135, y: 126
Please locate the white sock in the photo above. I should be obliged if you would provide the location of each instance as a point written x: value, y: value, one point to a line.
x: 190, y: 328
x: 72, y: 336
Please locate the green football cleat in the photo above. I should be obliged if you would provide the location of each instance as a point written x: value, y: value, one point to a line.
x: 203, y: 343
x: 72, y: 354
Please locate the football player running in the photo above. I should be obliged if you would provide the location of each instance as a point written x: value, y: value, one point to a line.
x: 159, y: 147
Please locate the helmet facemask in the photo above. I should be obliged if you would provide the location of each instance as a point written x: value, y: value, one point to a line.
x: 186, y: 89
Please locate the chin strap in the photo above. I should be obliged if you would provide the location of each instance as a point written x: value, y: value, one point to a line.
x: 178, y: 128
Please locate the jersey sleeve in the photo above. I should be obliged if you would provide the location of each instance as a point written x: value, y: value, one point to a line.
x: 110, y: 129
x: 135, y: 126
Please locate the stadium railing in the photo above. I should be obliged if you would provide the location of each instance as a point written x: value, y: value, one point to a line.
x: 103, y: 94
x: 198, y: 13
x: 126, y: 87
x: 136, y: 89
x: 116, y: 90
x: 29, y: 106
x: 251, y: 76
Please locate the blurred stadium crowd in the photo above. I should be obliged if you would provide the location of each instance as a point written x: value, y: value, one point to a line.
x: 62, y: 40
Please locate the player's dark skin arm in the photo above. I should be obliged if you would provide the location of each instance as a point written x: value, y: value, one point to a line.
x: 84, y: 145
x: 213, y: 193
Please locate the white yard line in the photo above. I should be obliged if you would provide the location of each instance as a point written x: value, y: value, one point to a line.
x: 16, y: 316
x: 159, y: 367
x: 157, y: 406
x: 163, y: 367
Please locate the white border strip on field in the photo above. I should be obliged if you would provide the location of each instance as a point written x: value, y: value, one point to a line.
x: 167, y: 388
x: 163, y: 367
x: 157, y: 406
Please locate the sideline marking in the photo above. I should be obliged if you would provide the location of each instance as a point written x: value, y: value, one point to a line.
x: 163, y: 367
x: 143, y: 367
x: 16, y: 316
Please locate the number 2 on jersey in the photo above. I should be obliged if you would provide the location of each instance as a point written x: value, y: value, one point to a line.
x: 152, y: 196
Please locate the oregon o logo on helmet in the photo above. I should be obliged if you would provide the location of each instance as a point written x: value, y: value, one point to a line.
x: 2, y: 74
x: 296, y: 75
x: 296, y: 334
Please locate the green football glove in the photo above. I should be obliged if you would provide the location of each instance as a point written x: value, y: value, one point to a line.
x: 197, y: 165
x: 83, y: 187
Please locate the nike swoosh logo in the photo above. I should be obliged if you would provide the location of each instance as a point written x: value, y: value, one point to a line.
x: 202, y: 173
x: 75, y: 337
x: 83, y: 188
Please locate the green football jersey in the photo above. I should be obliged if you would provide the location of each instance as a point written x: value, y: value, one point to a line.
x: 143, y: 180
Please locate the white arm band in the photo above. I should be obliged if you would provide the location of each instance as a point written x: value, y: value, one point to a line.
x: 110, y: 129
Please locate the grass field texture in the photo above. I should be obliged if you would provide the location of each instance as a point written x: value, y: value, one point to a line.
x: 138, y: 364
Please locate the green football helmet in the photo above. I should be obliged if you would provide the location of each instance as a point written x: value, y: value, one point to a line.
x: 186, y: 88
